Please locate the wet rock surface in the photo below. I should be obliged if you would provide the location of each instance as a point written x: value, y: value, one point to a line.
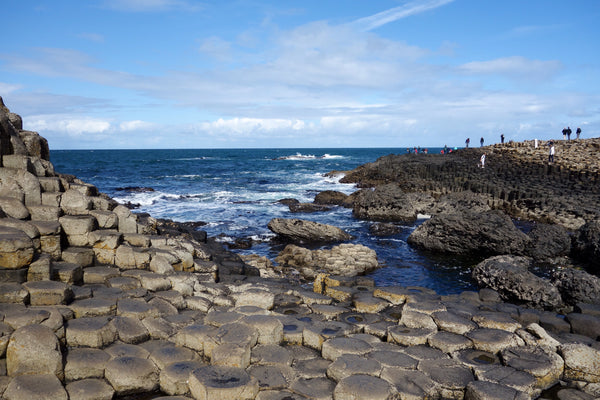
x: 103, y: 305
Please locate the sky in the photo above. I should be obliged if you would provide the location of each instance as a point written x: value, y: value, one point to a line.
x: 108, y: 74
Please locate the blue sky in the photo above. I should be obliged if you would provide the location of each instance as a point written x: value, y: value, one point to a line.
x: 99, y: 74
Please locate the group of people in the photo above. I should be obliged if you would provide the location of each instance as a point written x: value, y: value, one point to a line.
x: 480, y: 141
x: 552, y: 151
x: 567, y: 133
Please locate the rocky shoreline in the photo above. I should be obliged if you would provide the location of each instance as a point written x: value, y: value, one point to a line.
x: 97, y: 302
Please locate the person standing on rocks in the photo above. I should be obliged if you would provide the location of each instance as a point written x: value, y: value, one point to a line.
x: 467, y: 142
x: 481, y: 142
x: 551, y: 155
x: 564, y: 132
x: 569, y: 131
x: 578, y: 132
x: 482, y: 161
x: 502, y: 138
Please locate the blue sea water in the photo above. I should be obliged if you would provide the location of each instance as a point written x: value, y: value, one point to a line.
x: 235, y: 191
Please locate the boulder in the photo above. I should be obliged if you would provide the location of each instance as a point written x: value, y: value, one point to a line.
x: 383, y: 229
x: 307, y: 207
x: 582, y: 363
x: 302, y: 231
x: 548, y: 241
x: 510, y: 277
x: 14, y: 208
x: 34, y: 349
x: 390, y: 203
x: 586, y: 245
x: 577, y: 286
x: 21, y: 184
x: 16, y: 248
x: 344, y: 260
x: 487, y: 233
x: 331, y: 197
x: 35, y: 387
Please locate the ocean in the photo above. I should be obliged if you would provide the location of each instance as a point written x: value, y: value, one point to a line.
x: 236, y: 192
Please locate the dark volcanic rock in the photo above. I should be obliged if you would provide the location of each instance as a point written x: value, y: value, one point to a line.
x: 331, y: 197
x: 135, y: 189
x: 577, y: 286
x: 307, y: 207
x: 453, y: 203
x: 383, y: 229
x: 586, y: 245
x: 390, y: 203
x: 487, y: 233
x: 548, y: 241
x: 169, y: 227
x: 301, y: 231
x: 510, y: 277
x: 288, y: 202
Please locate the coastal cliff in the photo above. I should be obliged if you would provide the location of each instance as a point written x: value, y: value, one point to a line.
x: 517, y: 178
x: 98, y: 302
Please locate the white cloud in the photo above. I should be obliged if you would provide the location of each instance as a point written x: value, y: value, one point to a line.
x: 251, y: 126
x: 396, y: 13
x: 517, y: 67
x: 65, y: 125
x: 136, y: 125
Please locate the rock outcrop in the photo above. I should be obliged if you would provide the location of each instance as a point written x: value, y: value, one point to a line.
x: 303, y: 231
x: 586, y: 244
x: 517, y: 178
x: 510, y: 277
x: 390, y: 203
x: 343, y: 260
x: 484, y: 234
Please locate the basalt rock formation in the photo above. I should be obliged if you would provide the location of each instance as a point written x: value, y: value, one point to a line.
x: 560, y: 197
x: 517, y: 178
x: 99, y: 302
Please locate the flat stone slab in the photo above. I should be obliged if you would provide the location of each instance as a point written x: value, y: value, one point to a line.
x: 174, y: 377
x: 315, y: 388
x: 16, y: 248
x: 351, y: 364
x: 12, y: 292
x: 409, y: 336
x: 168, y: 353
x: 129, y: 375
x: 220, y: 382
x: 492, y: 340
x: 84, y: 363
x: 43, y: 293
x: 545, y: 366
x: 94, y: 307
x: 34, y: 349
x: 87, y: 389
x: 410, y: 384
x: 272, y: 377
x: 582, y: 363
x: 365, y: 387
x: 492, y: 391
x: 35, y: 387
x: 336, y: 347
x: 95, y: 332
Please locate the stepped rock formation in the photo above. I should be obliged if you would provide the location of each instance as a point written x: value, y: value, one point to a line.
x: 517, y: 178
x: 97, y: 302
